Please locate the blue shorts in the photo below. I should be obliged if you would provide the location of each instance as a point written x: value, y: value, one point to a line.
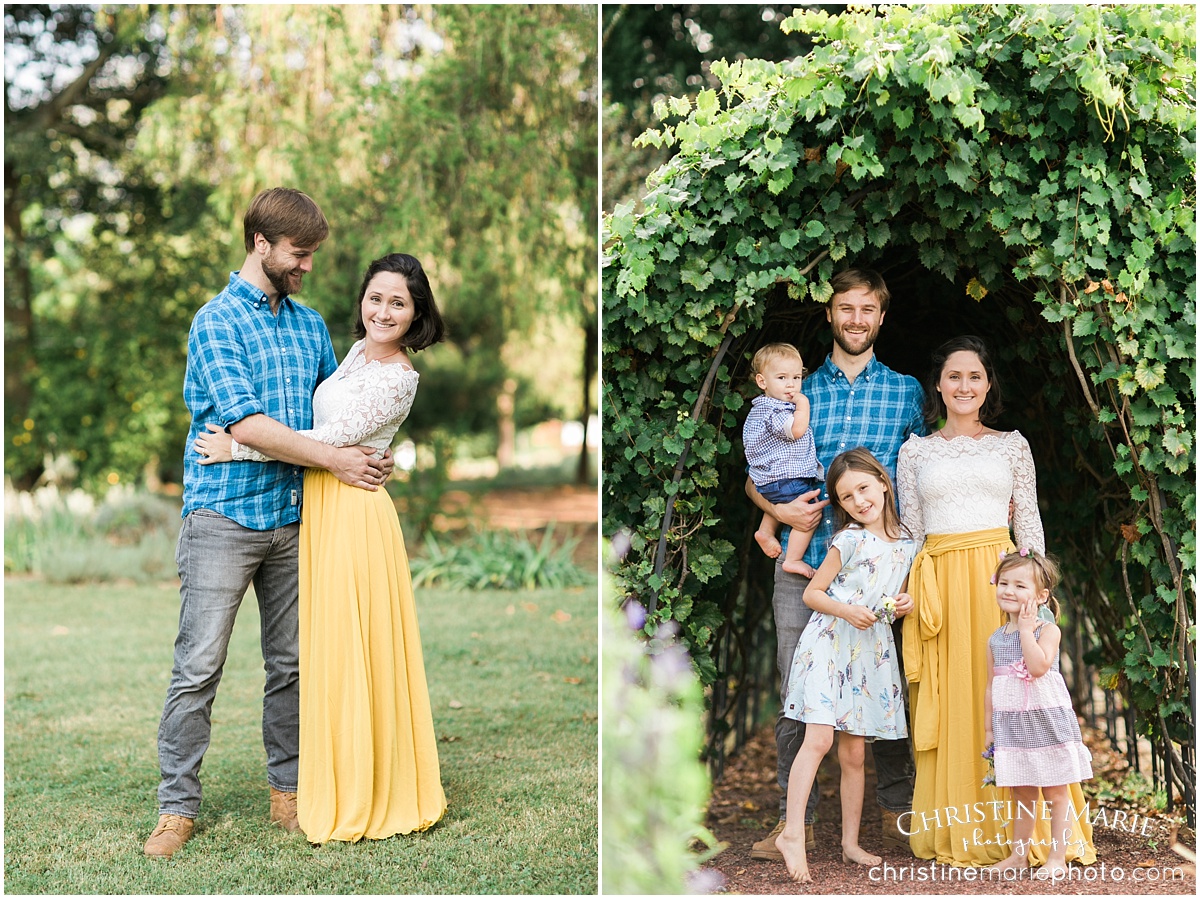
x: 788, y: 489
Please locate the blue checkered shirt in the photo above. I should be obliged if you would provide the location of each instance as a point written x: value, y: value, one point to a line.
x: 771, y: 451
x: 244, y: 360
x: 880, y: 411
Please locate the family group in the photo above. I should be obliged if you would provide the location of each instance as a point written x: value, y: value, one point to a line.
x: 927, y: 558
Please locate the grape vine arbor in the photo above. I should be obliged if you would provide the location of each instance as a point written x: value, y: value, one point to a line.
x: 1022, y: 172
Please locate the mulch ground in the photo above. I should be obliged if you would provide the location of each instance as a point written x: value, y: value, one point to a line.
x: 572, y: 509
x: 744, y: 808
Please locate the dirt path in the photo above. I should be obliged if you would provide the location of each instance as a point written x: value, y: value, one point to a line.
x: 572, y: 509
x: 744, y: 808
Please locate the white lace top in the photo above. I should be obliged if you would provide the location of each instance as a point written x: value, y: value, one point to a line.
x: 965, y: 484
x: 362, y: 403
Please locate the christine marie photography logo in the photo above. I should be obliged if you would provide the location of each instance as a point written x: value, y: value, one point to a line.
x: 1000, y: 814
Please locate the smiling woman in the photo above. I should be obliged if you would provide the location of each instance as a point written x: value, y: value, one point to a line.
x: 387, y: 313
x: 397, y: 302
x: 369, y: 764
x: 958, y: 489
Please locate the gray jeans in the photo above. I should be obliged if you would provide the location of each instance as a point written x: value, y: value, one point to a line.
x: 893, y: 758
x: 218, y: 559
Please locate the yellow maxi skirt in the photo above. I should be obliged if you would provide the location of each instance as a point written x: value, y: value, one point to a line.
x: 368, y: 753
x: 955, y: 819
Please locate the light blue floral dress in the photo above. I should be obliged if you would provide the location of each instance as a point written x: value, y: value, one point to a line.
x: 846, y: 677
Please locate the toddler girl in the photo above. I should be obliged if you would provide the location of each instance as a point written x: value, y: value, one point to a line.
x: 1030, y: 722
x: 844, y: 674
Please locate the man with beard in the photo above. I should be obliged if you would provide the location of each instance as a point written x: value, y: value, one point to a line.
x: 255, y: 356
x: 856, y: 400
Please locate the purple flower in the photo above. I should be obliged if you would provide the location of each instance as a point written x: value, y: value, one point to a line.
x: 989, y: 777
x: 886, y: 611
x: 672, y: 667
x: 621, y: 543
x: 635, y: 615
x: 705, y: 880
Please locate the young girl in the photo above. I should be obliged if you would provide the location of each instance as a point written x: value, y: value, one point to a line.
x: 844, y: 675
x: 1030, y: 721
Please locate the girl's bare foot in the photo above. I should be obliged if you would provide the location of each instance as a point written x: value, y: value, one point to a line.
x: 1054, y: 869
x: 799, y: 567
x: 792, y: 848
x: 855, y: 854
x: 1013, y: 861
x: 769, y: 544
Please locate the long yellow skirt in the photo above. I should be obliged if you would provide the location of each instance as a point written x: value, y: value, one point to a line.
x: 955, y: 819
x: 368, y: 753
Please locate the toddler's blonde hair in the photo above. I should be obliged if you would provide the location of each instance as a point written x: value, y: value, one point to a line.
x: 773, y: 351
x: 1045, y: 572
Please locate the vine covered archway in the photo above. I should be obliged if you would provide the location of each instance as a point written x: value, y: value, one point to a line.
x: 1025, y: 171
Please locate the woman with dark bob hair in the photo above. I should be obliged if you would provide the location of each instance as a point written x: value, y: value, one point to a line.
x: 368, y: 753
x: 959, y: 489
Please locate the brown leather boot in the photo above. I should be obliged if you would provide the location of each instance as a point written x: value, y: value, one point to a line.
x: 764, y: 850
x: 283, y: 810
x: 169, y: 836
x: 893, y: 837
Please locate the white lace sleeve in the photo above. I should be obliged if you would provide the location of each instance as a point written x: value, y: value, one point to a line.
x: 243, y: 453
x: 1026, y: 518
x: 366, y: 407
x: 906, y: 487
x: 376, y: 401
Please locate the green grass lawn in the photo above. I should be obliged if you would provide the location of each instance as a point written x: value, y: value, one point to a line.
x: 513, y: 682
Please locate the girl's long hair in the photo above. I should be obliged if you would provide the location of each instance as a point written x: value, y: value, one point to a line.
x: 860, y: 459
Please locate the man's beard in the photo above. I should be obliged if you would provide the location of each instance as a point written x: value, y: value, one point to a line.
x: 279, y: 279
x: 868, y: 340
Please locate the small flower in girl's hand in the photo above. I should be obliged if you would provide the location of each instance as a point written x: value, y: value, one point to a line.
x: 989, y: 754
x: 886, y: 611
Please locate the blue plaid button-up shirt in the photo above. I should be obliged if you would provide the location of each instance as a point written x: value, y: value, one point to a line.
x: 771, y: 451
x: 243, y: 360
x: 880, y: 410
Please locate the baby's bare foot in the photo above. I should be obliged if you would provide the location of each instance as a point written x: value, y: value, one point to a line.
x: 855, y: 854
x: 792, y: 847
x: 1013, y: 861
x: 769, y: 544
x: 799, y: 567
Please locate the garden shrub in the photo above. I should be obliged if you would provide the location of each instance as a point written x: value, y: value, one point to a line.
x: 69, y: 538
x: 498, y: 560
x: 655, y: 787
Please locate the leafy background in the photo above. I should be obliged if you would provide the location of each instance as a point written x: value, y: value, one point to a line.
x: 1022, y: 172
x: 135, y: 137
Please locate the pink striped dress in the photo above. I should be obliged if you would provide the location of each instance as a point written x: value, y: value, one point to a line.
x: 1036, y: 733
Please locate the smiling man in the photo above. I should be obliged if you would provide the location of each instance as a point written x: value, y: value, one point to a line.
x: 255, y: 357
x: 856, y: 400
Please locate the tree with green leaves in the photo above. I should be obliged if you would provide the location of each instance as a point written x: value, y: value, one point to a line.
x: 1026, y: 172
x: 655, y: 51
x: 63, y: 120
x: 464, y: 135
